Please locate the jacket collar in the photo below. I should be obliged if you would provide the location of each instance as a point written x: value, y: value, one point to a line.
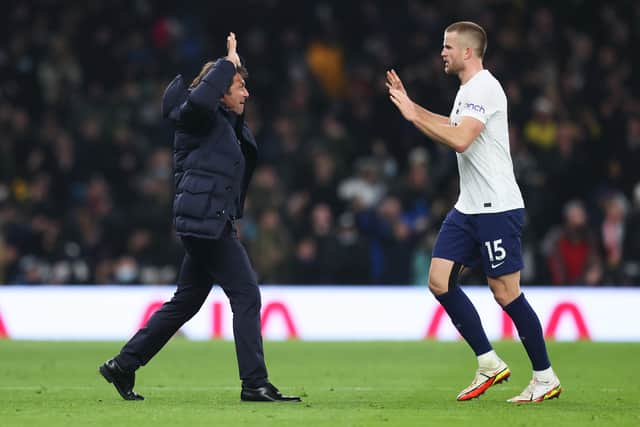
x: 228, y: 114
x: 237, y: 123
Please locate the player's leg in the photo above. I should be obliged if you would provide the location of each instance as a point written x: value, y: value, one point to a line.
x: 545, y: 384
x: 502, y: 262
x: 443, y: 275
x: 453, y: 248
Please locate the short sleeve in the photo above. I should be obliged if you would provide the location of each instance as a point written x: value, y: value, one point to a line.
x: 480, y: 101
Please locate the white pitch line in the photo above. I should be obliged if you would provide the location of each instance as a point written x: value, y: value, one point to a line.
x: 196, y: 388
x: 45, y: 388
x: 160, y: 388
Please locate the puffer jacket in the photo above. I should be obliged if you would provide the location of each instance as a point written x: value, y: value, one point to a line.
x: 214, y: 154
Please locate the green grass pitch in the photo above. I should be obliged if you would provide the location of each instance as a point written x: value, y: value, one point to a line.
x: 342, y: 384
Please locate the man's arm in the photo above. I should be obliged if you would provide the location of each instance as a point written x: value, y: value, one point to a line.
x: 394, y: 82
x: 435, y: 126
x: 215, y: 83
x: 438, y: 118
x: 457, y: 137
x: 197, y: 113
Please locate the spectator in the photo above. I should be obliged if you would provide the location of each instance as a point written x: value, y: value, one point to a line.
x: 323, y: 181
x: 326, y: 61
x: 572, y: 252
x: 352, y: 256
x: 541, y: 129
x: 392, y: 242
x: 631, y: 247
x: 414, y: 190
x: 566, y: 167
x: 305, y: 267
x: 366, y: 188
x: 83, y: 147
x: 271, y: 248
x: 612, y: 235
x: 323, y: 234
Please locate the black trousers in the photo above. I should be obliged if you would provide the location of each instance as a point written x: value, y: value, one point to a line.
x: 208, y: 261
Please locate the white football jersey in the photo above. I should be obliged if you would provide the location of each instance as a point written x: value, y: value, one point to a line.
x: 487, y: 181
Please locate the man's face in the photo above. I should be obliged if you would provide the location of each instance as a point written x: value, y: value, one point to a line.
x: 237, y: 95
x: 452, y: 53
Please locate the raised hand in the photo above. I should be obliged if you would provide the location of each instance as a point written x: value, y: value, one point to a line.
x: 232, y: 52
x: 394, y: 82
x: 398, y: 95
x: 404, y: 104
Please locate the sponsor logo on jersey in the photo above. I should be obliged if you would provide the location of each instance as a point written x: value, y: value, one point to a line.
x: 475, y: 107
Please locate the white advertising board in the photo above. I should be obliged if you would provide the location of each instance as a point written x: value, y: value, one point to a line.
x: 313, y: 313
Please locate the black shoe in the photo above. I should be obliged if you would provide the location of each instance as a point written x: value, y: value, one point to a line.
x: 122, y: 380
x: 266, y: 393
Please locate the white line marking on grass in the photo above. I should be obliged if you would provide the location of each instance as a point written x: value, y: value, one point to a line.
x: 160, y: 388
x: 237, y: 388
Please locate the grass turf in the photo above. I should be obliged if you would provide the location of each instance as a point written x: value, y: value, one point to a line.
x: 342, y: 384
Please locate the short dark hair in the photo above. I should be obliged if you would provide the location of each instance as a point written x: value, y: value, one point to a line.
x: 475, y: 31
x: 242, y: 70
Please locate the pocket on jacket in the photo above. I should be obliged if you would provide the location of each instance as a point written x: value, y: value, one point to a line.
x: 196, y: 183
x: 216, y: 208
x: 194, y: 195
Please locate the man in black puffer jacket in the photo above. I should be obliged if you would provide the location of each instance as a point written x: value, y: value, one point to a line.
x: 214, y: 159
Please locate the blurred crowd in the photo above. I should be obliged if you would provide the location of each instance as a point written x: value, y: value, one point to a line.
x: 346, y: 191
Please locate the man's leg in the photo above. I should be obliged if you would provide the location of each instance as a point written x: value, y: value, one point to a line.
x: 443, y: 276
x: 226, y: 260
x: 230, y: 265
x: 194, y: 285
x: 457, y: 241
x: 232, y: 269
x: 506, y: 291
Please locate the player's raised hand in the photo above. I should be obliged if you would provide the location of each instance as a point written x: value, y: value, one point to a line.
x: 406, y: 106
x: 394, y: 82
x: 232, y: 50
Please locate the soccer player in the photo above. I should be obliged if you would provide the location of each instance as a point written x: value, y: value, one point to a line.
x: 486, y: 223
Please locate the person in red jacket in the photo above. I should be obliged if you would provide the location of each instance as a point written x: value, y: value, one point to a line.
x: 572, y: 250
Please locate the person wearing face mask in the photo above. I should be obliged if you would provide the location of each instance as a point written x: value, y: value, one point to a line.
x: 126, y: 270
x: 214, y: 158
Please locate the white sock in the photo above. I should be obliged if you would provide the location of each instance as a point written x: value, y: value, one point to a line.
x: 489, y: 360
x: 545, y: 375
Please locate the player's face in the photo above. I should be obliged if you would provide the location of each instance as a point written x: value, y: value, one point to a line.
x: 452, y: 53
x: 237, y: 95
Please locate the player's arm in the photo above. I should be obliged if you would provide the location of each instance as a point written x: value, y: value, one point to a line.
x: 430, y: 115
x: 435, y: 126
x: 394, y: 82
x: 458, y: 137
